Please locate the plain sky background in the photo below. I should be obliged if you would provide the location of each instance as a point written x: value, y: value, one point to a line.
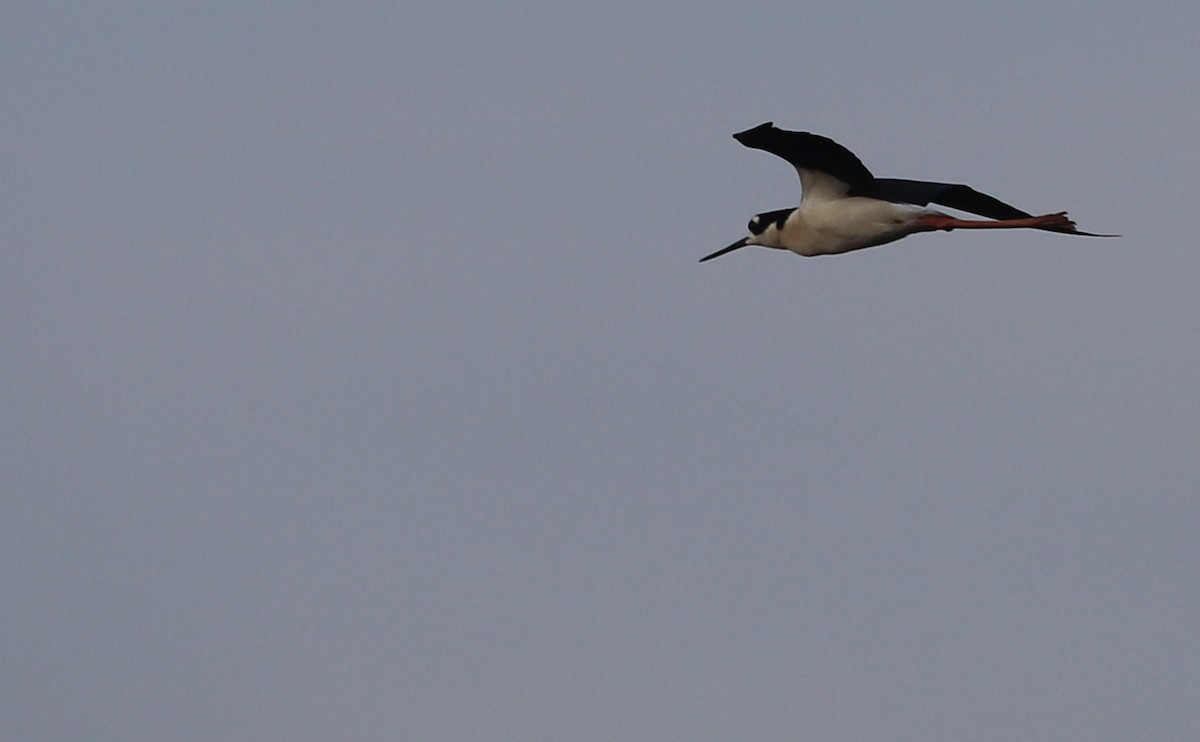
x: 360, y: 381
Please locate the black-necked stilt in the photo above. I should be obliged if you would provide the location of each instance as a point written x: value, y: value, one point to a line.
x: 845, y: 208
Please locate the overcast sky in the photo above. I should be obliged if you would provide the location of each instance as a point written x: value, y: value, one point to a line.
x: 361, y: 383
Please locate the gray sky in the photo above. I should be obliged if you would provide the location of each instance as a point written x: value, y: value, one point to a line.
x: 361, y: 382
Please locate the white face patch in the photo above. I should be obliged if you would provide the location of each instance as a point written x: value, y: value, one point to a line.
x: 766, y: 228
x: 770, y: 237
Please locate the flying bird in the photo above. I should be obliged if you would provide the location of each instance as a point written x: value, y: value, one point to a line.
x: 844, y: 207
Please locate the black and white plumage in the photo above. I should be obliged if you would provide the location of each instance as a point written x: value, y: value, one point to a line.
x: 844, y: 207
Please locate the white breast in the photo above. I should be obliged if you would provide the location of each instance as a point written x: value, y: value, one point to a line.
x: 845, y: 224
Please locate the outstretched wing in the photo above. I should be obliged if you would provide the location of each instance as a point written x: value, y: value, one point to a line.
x: 827, y: 170
x: 961, y: 197
x: 956, y: 196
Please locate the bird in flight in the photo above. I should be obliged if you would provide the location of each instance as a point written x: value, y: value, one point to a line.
x: 844, y: 207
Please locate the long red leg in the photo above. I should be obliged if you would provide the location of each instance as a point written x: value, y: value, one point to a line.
x: 1056, y: 222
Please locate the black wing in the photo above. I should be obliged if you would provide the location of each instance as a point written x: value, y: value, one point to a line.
x: 811, y: 153
x: 828, y: 170
x: 956, y: 196
x: 961, y: 197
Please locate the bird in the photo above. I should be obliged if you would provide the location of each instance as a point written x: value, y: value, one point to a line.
x: 844, y: 207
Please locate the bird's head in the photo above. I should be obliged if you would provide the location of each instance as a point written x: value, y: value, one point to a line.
x: 764, y: 230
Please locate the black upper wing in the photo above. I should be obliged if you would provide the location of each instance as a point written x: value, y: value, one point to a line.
x: 956, y: 196
x: 961, y: 197
x: 829, y: 170
x: 809, y: 152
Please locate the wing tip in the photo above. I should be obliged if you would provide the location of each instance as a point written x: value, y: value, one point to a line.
x: 1081, y: 233
x: 754, y: 132
x: 1068, y: 226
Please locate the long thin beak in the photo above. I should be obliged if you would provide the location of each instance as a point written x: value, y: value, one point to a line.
x: 740, y: 243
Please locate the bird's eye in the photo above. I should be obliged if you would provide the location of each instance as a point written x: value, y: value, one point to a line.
x: 754, y: 226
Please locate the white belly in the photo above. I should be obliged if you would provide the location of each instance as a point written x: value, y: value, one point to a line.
x: 845, y: 224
